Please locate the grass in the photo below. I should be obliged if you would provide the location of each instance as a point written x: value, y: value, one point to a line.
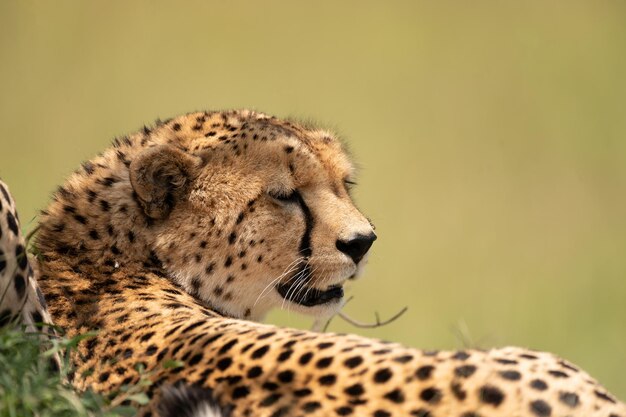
x: 29, y: 386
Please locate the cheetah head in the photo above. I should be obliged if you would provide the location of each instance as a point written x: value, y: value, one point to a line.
x: 249, y: 213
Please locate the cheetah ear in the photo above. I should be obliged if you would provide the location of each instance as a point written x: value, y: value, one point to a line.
x: 160, y: 177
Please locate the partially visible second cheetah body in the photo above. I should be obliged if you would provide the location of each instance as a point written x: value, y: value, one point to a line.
x: 21, y: 300
x: 173, y: 240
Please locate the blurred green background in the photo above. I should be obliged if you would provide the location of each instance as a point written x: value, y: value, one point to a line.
x: 491, y: 135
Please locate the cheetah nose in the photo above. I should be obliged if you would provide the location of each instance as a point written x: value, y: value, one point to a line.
x: 357, y: 247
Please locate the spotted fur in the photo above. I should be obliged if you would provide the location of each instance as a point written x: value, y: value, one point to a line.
x: 176, y: 238
x: 21, y: 301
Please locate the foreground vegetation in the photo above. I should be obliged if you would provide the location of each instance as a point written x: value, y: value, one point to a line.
x: 31, y: 386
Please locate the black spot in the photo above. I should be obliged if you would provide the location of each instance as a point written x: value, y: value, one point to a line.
x: 324, y: 362
x: 491, y: 395
x: 604, y: 396
x: 195, y: 359
x: 424, y: 372
x: 344, y: 411
x: 305, y: 358
x: 353, y: 362
x: 329, y: 379
x: 403, y: 359
x: 382, y: 413
x: 20, y: 255
x: 431, y: 395
x: 285, y: 355
x: 304, y: 392
x: 383, y: 375
x: 104, y: 376
x: 107, y: 181
x: 12, y: 223
x: 260, y: 352
x: 558, y: 374
x: 569, y: 398
x: 420, y: 412
x: 511, y: 375
x: 266, y: 335
x: 5, y: 193
x: 228, y: 346
x: 232, y: 238
x: 255, y: 371
x: 270, y: 386
x: 37, y: 317
x: 147, y: 336
x: 285, y: 376
x: 88, y: 167
x: 241, y: 392
x: 458, y: 391
x: 464, y: 371
x: 270, y: 399
x: 528, y: 356
x: 311, y: 406
x: 224, y: 364
x: 538, y: 384
x: 94, y: 235
x: 80, y: 219
x: 20, y: 285
x: 228, y: 262
x: 507, y: 361
x: 540, y: 408
x: 104, y: 205
x: 461, y: 355
x: 395, y: 396
x: 5, y: 317
x: 355, y: 390
x: 162, y: 354
x: 568, y: 366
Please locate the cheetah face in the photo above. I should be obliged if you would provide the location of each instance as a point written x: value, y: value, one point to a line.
x: 256, y: 221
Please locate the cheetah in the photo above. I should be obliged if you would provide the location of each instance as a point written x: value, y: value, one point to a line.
x: 21, y: 300
x: 177, y: 240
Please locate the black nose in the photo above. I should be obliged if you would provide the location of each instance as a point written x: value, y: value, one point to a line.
x: 357, y: 247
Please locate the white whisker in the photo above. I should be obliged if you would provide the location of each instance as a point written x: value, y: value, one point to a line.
x: 288, y: 269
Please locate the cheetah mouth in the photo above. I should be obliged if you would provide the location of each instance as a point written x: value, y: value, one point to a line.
x: 309, y: 296
x: 297, y: 290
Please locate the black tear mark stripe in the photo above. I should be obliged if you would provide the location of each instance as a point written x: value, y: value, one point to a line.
x: 309, y: 222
